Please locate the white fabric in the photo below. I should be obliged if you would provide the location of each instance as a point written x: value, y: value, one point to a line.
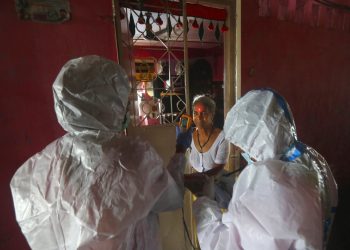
x: 217, y: 154
x: 327, y: 186
x: 259, y: 126
x: 91, y: 95
x: 92, y: 189
x: 275, y: 204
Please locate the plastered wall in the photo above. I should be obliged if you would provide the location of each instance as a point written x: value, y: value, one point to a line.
x: 310, y: 67
x: 31, y: 56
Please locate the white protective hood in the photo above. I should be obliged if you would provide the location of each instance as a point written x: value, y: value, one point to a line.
x: 282, y: 201
x: 92, y: 189
x: 91, y: 96
x: 259, y: 126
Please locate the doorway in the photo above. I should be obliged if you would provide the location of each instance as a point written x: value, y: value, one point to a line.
x: 165, y: 48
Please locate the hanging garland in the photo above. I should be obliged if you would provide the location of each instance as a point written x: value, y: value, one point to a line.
x: 147, y: 27
x: 175, y: 9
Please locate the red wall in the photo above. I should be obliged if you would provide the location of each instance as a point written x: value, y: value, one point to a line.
x: 310, y: 67
x: 30, y: 58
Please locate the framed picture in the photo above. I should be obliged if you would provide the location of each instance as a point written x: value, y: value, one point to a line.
x: 46, y: 11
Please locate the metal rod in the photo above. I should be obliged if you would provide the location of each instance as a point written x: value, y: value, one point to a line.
x: 117, y: 29
x: 186, y: 78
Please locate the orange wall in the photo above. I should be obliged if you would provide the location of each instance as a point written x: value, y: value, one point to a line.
x: 310, y: 67
x: 30, y: 58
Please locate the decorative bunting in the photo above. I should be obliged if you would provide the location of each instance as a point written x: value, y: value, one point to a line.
x: 179, y: 23
x: 192, y: 9
x: 169, y: 27
x: 141, y: 19
x: 148, y: 19
x: 159, y: 21
x: 217, y: 32
x: 149, y: 33
x: 195, y: 24
x: 201, y: 31
x: 132, y: 25
x: 224, y: 28
x: 188, y: 27
x: 211, y: 26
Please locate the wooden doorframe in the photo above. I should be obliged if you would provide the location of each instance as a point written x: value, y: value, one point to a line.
x: 232, y: 50
x: 232, y: 54
x: 232, y: 62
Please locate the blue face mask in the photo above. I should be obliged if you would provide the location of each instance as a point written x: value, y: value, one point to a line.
x: 246, y: 157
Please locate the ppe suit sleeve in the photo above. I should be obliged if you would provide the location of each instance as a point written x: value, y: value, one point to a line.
x: 272, y: 207
x: 276, y: 206
x: 172, y: 197
x: 213, y: 233
x: 206, y: 212
x: 34, y: 198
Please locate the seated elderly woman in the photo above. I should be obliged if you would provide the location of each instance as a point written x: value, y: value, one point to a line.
x: 209, y: 152
x: 284, y: 199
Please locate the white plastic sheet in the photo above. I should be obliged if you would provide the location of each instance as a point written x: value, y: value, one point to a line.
x: 282, y: 201
x: 91, y: 188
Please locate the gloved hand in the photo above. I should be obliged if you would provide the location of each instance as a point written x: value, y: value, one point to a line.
x: 183, y: 138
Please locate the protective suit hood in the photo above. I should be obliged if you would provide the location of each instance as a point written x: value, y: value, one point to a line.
x: 261, y: 124
x: 91, y: 96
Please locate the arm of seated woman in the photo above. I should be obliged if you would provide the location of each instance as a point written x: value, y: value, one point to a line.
x: 203, y: 175
x: 195, y: 181
x: 215, y: 170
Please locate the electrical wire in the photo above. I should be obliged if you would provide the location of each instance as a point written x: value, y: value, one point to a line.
x: 233, y: 172
x: 186, y: 230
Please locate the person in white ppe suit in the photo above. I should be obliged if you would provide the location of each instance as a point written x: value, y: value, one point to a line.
x: 284, y: 199
x: 93, y: 188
